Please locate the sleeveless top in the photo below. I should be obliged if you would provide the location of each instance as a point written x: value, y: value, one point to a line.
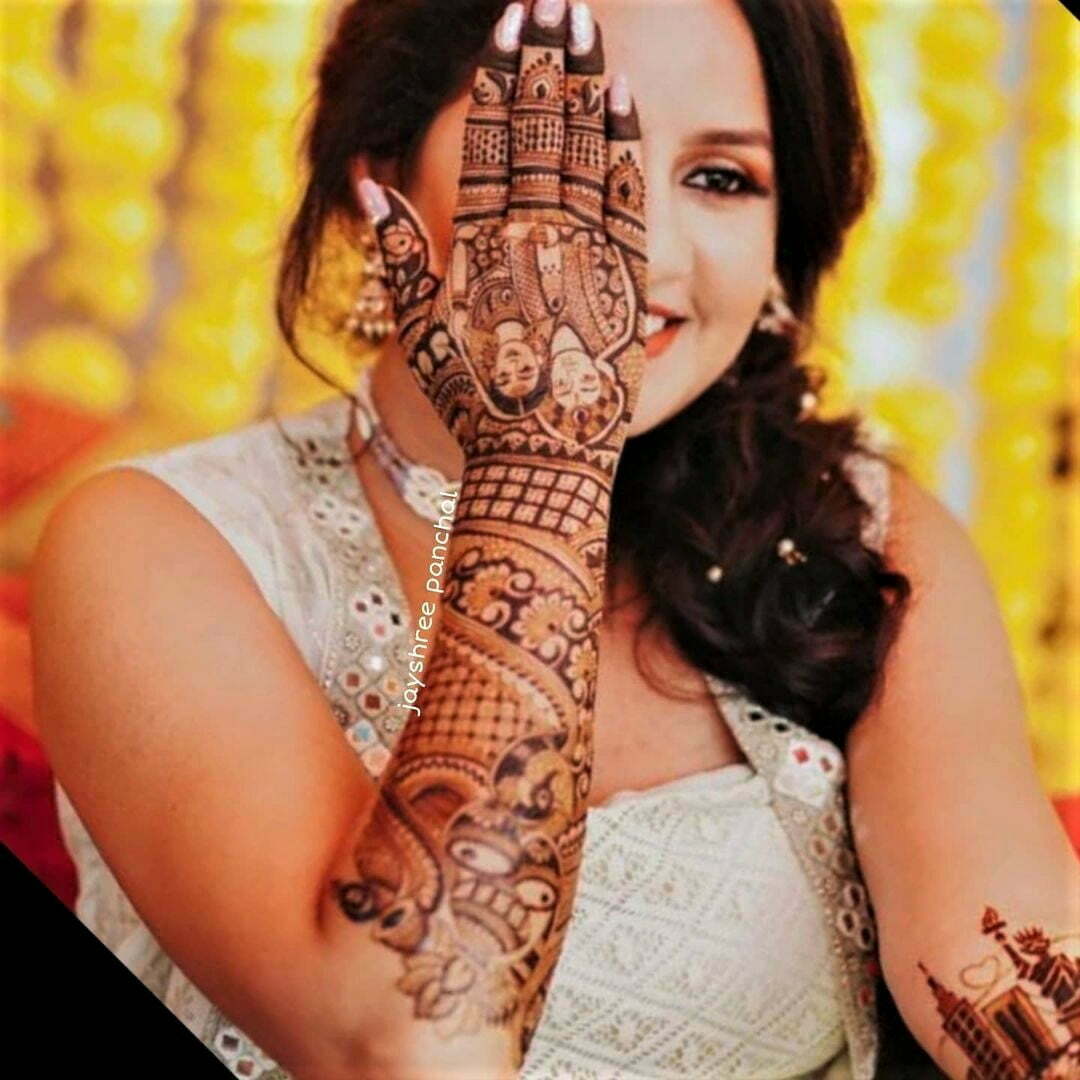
x: 721, y: 927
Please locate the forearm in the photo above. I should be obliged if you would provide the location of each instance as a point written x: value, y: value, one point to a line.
x: 465, y: 870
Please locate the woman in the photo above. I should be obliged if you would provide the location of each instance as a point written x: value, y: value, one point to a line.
x: 602, y: 566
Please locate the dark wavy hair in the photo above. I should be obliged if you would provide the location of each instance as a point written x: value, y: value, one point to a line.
x: 736, y: 470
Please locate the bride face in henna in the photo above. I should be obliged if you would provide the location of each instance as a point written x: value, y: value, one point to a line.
x: 574, y: 379
x: 696, y: 77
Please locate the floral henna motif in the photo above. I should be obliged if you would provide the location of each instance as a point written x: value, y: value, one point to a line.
x: 1021, y: 1018
x: 530, y: 346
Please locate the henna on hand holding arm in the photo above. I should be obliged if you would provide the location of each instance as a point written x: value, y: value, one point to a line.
x: 531, y: 349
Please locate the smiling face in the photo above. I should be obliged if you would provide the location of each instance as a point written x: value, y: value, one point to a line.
x: 516, y: 372
x: 574, y: 379
x: 711, y: 207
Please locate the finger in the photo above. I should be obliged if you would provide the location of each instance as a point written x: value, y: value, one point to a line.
x: 624, y: 186
x: 584, y: 164
x: 536, y: 116
x: 406, y: 251
x: 484, y: 188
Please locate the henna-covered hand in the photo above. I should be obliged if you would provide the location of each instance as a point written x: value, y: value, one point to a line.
x: 531, y: 350
x: 533, y: 339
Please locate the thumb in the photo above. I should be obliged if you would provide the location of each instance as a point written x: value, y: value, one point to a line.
x: 407, y: 252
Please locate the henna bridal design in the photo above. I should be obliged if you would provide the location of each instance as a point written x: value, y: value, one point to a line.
x: 531, y: 348
x: 1016, y: 1014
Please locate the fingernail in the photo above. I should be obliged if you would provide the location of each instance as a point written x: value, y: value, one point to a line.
x: 373, y: 200
x: 582, y: 35
x: 508, y: 32
x: 549, y: 12
x: 620, y: 94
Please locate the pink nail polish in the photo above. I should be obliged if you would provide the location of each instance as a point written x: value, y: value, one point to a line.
x: 373, y: 200
x: 582, y: 29
x: 549, y: 12
x: 508, y: 32
x: 621, y: 101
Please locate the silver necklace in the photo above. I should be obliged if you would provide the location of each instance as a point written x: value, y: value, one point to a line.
x: 424, y: 489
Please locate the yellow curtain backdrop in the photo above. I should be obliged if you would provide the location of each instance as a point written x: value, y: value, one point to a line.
x: 150, y: 163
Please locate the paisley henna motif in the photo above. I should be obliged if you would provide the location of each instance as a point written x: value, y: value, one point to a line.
x: 531, y: 349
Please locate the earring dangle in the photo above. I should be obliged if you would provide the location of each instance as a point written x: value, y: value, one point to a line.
x: 776, y: 317
x: 371, y: 319
x: 332, y: 307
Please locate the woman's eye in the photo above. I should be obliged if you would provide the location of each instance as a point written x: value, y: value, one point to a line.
x: 724, y: 181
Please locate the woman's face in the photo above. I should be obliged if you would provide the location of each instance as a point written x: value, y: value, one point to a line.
x: 711, y: 211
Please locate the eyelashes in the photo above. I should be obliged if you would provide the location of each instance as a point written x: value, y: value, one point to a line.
x: 725, y: 182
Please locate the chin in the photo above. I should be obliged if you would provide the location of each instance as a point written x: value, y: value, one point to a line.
x: 670, y: 384
x: 676, y: 377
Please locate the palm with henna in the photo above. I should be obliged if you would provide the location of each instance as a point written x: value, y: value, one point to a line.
x: 530, y: 345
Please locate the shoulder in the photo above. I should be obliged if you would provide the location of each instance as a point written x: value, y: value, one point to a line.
x: 948, y: 713
x: 232, y: 498
x: 951, y: 627
x: 919, y: 535
x: 926, y: 540
x: 152, y: 529
x: 119, y: 536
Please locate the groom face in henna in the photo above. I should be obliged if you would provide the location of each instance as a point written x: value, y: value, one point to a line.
x: 711, y: 209
x: 517, y: 370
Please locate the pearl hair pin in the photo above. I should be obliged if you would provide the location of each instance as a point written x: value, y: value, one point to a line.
x: 786, y: 549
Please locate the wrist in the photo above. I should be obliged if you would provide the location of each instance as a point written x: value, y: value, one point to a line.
x: 557, y: 508
x: 553, y: 496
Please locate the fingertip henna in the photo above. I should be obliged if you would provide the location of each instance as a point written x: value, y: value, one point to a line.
x: 620, y: 100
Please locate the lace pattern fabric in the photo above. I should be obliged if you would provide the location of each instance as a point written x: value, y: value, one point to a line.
x: 721, y: 928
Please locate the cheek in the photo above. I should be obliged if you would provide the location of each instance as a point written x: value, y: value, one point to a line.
x: 436, y: 174
x: 733, y: 265
x: 729, y: 261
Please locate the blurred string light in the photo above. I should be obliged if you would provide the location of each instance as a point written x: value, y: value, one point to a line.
x: 218, y: 340
x: 114, y: 135
x: 31, y: 84
x: 119, y: 137
x: 1025, y: 453
x: 930, y: 79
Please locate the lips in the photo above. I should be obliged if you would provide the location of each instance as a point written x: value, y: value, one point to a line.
x: 662, y: 326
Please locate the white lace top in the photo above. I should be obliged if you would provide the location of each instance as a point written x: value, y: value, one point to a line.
x: 720, y: 928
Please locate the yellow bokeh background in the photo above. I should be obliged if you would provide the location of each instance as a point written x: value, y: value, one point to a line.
x: 149, y: 155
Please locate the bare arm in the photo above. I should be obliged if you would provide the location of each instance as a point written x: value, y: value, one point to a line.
x: 203, y: 758
x: 975, y: 887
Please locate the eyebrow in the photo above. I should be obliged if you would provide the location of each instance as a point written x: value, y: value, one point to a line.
x: 733, y: 137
